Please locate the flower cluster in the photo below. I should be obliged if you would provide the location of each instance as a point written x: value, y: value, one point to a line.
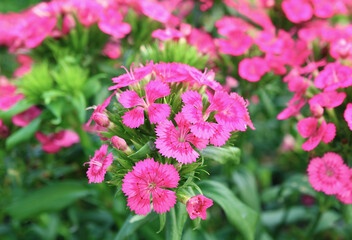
x: 165, y: 113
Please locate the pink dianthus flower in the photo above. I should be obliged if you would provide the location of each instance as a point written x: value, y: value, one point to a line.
x: 297, y: 10
x: 149, y: 177
x: 24, y: 118
x: 99, y: 164
x: 157, y: 111
x: 329, y: 99
x: 176, y: 142
x: 334, y: 76
x: 327, y: 174
x: 252, y: 69
x: 53, y: 142
x: 196, y: 206
x: 308, y: 128
x: 348, y: 115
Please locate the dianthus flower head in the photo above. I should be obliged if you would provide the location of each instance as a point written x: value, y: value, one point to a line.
x: 24, y: 118
x: 328, y: 174
x: 309, y: 128
x: 297, y: 10
x: 329, y: 99
x: 157, y: 111
x: 99, y: 164
x: 252, y: 69
x: 176, y: 142
x: 196, y: 206
x: 149, y: 177
x: 334, y: 76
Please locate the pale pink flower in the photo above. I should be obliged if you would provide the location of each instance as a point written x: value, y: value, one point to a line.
x: 329, y: 99
x: 288, y: 143
x: 131, y: 77
x: 252, y: 69
x: 98, y: 164
x: 196, y: 206
x: 348, y: 115
x: 237, y: 43
x: 53, y: 142
x: 341, y: 48
x: 24, y: 118
x: 166, y: 34
x: 176, y: 142
x: 328, y: 174
x: 334, y: 76
x: 309, y: 128
x: 297, y: 10
x: 157, y: 111
x: 149, y: 178
x: 111, y: 23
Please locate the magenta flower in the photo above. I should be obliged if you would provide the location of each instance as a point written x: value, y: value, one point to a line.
x: 131, y: 77
x: 24, y: 118
x: 345, y: 195
x: 328, y: 174
x: 329, y: 99
x: 111, y: 23
x: 176, y: 142
x: 252, y: 69
x: 98, y: 114
x: 308, y: 128
x: 166, y: 34
x: 348, y: 115
x: 341, y: 48
x: 334, y: 76
x: 112, y: 49
x: 157, y: 111
x: 297, y: 10
x: 8, y: 96
x: 237, y: 43
x: 53, y: 142
x: 196, y: 206
x: 149, y: 177
x: 293, y: 108
x: 99, y: 164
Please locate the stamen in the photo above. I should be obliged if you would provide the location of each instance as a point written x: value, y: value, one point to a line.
x: 129, y: 75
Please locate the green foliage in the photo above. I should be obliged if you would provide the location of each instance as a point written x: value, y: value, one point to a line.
x: 172, y: 51
x: 238, y: 214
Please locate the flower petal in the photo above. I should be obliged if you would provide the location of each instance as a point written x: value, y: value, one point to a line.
x: 134, y: 118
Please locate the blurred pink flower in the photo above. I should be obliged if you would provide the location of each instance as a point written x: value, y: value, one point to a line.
x: 112, y: 49
x: 252, y: 69
x: 341, y: 48
x: 329, y: 99
x: 293, y: 107
x: 157, y: 111
x: 24, y: 118
x: 237, y: 43
x: 345, y: 195
x: 149, y: 177
x: 334, y: 76
x: 166, y: 34
x: 309, y: 128
x: 196, y: 206
x: 348, y: 115
x: 328, y: 173
x: 176, y: 142
x: 110, y: 22
x: 8, y: 96
x: 53, y: 142
x: 99, y: 164
x: 297, y: 10
x: 25, y: 62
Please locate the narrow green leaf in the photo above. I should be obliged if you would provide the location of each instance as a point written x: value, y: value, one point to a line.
x: 239, y: 215
x: 53, y: 197
x: 162, y: 220
x: 132, y: 223
x: 18, y: 108
x: 23, y: 134
x: 79, y: 102
x: 146, y: 149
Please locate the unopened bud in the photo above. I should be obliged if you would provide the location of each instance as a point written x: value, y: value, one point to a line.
x: 101, y: 119
x: 119, y: 143
x: 316, y: 110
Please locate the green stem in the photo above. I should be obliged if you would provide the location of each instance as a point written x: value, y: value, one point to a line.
x: 177, y: 222
x: 332, y: 115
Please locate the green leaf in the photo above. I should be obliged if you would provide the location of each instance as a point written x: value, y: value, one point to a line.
x: 56, y: 108
x: 143, y: 151
x: 162, y: 220
x: 239, y: 215
x: 18, y: 108
x: 132, y: 223
x: 53, y: 197
x: 222, y: 155
x: 23, y: 134
x: 79, y: 102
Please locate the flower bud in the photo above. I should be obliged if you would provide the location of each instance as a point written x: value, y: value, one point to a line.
x: 316, y: 110
x: 119, y: 143
x: 101, y: 119
x: 196, y: 206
